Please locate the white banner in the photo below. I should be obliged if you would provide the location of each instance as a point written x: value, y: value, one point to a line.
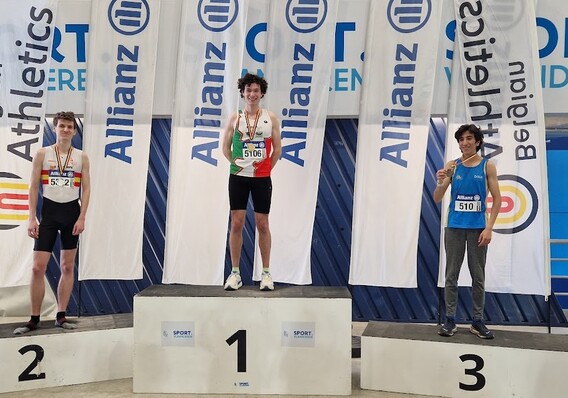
x: 212, y: 37
x: 26, y: 37
x: 122, y: 51
x: 496, y: 85
x: 298, y: 69
x: 391, y: 146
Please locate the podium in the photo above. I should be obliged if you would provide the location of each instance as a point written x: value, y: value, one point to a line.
x: 205, y: 340
x: 413, y: 359
x: 100, y: 349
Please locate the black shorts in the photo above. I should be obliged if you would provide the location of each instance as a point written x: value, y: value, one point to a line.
x: 57, y: 217
x: 260, y: 189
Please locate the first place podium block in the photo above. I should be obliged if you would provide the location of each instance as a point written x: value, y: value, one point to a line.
x: 204, y: 340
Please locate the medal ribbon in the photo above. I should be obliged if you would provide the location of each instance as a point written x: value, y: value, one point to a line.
x: 252, y: 130
x: 58, y: 155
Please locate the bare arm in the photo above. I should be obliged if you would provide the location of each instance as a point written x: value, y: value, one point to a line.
x: 228, y: 136
x: 85, y: 195
x: 443, y: 181
x: 493, y: 185
x: 35, y: 180
x: 276, y: 140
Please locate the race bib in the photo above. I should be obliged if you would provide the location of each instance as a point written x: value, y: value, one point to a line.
x: 466, y: 205
x: 255, y: 150
x: 57, y: 179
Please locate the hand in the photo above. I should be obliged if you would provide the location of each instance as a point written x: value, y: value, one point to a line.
x: 33, y: 228
x: 443, y: 173
x: 79, y: 226
x: 484, y: 237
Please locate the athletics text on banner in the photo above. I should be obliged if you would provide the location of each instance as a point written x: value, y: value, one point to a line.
x: 25, y: 47
x: 496, y: 85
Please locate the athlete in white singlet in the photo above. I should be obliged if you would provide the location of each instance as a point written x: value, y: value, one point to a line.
x: 252, y: 144
x: 63, y: 173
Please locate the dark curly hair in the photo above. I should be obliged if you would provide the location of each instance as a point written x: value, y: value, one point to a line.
x: 249, y: 79
x: 70, y: 116
x: 473, y: 129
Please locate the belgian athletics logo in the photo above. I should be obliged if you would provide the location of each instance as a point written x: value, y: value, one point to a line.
x: 407, y: 16
x: 13, y: 201
x: 305, y: 16
x: 519, y: 205
x: 217, y: 15
x: 129, y: 17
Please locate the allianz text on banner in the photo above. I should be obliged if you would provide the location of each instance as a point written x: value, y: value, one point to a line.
x: 67, y: 77
x: 209, y: 65
x: 25, y: 45
x: 122, y: 47
x: 495, y: 84
x: 298, y: 68
x: 392, y: 141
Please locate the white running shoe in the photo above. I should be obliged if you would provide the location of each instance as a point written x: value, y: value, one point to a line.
x: 266, y: 282
x: 233, y: 281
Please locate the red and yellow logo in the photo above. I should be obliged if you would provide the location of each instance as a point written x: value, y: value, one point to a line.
x: 519, y: 205
x: 13, y: 201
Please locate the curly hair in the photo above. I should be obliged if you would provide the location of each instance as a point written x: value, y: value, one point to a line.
x: 473, y: 129
x: 70, y: 116
x: 249, y: 79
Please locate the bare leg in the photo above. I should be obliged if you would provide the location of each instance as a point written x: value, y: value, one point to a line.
x: 37, y: 285
x: 236, y: 236
x: 264, y: 238
x: 65, y: 287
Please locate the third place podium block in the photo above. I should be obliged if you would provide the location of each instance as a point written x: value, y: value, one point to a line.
x: 204, y: 340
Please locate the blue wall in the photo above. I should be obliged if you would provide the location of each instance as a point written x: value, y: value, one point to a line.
x: 557, y: 160
x: 330, y: 245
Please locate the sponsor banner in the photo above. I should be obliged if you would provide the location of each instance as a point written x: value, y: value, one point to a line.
x: 495, y: 84
x: 298, y: 334
x: 210, y: 53
x: 122, y: 50
x: 254, y: 53
x: 25, y: 44
x: 392, y: 141
x: 298, y: 68
x: 67, y: 78
x: 178, y: 334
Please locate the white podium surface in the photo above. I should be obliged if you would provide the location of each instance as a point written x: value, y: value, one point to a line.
x: 100, y: 349
x: 413, y: 359
x: 204, y: 340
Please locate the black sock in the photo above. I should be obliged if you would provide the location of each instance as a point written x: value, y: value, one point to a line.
x: 33, y: 322
x: 60, y: 315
